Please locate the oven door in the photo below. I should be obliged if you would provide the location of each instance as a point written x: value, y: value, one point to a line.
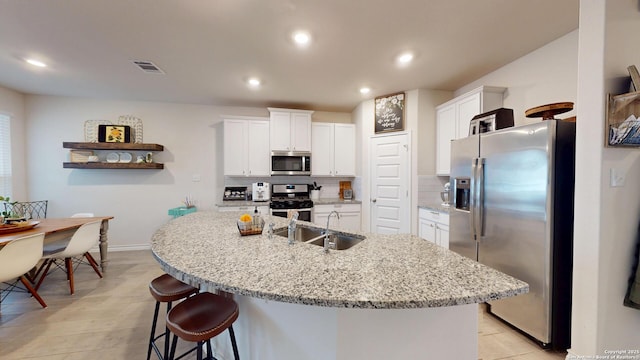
x: 303, y: 214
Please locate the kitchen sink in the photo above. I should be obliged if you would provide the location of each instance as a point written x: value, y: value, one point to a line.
x: 315, y: 236
x: 342, y: 241
x: 302, y: 233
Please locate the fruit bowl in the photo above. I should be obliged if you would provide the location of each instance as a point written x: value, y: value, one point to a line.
x: 252, y: 227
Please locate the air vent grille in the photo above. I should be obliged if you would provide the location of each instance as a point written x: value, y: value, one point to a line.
x: 148, y: 67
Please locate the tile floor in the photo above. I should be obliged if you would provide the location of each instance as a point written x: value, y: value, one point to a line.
x: 110, y: 318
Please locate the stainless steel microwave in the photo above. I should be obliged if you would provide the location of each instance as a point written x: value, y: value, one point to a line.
x: 290, y: 163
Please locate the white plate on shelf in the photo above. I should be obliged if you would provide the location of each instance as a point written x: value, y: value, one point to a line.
x: 113, y: 157
x: 125, y: 157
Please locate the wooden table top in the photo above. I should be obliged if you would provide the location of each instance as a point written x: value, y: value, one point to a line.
x: 52, y: 226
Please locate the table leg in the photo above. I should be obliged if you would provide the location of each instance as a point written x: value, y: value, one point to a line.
x: 104, y: 227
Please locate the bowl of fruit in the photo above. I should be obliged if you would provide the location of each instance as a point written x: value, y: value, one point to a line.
x: 250, y: 225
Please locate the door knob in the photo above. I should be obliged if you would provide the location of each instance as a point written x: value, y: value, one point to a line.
x: 373, y: 200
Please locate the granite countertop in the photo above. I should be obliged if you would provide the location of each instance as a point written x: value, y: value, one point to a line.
x: 231, y: 203
x: 335, y: 201
x: 435, y: 207
x: 383, y: 271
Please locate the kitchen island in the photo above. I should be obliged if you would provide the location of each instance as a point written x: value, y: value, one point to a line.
x: 388, y: 297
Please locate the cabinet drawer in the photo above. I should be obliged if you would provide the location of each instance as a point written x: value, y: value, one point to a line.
x: 435, y: 216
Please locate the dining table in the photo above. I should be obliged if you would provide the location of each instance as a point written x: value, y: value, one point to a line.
x: 56, y: 229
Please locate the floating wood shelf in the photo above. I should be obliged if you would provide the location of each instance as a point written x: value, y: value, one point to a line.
x: 105, y: 165
x: 112, y: 146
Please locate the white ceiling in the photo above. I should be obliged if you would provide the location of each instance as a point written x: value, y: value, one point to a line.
x: 208, y: 48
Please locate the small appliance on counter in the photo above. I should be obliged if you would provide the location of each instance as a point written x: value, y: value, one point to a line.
x: 491, y: 121
x: 444, y: 195
x: 235, y: 193
x: 261, y: 191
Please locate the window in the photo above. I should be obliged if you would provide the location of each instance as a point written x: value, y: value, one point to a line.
x: 5, y: 155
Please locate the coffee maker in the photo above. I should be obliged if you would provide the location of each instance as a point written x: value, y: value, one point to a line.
x: 261, y: 191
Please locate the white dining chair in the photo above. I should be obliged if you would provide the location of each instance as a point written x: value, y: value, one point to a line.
x: 81, y: 242
x: 17, y: 258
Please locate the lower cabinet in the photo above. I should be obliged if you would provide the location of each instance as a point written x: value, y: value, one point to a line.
x: 434, y: 226
x: 349, y: 216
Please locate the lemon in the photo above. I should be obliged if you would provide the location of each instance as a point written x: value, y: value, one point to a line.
x: 245, y: 218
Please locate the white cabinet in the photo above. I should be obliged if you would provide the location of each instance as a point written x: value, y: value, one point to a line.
x: 349, y: 216
x: 333, y: 149
x: 246, y: 147
x: 454, y: 116
x: 434, y: 226
x: 290, y: 129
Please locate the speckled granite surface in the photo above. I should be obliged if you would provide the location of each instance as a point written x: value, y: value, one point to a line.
x: 335, y: 201
x: 435, y: 207
x: 383, y: 271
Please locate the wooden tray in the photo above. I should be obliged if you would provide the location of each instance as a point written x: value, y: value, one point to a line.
x: 16, y: 227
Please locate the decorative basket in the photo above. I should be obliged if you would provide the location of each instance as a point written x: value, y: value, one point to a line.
x: 253, y: 227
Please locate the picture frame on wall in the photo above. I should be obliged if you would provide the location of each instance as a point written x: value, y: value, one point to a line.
x: 114, y: 133
x: 635, y: 78
x: 389, y: 112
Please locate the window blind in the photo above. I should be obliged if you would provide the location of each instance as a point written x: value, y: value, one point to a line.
x: 5, y: 155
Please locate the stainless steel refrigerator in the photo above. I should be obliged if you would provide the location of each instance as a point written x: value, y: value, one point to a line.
x: 512, y: 193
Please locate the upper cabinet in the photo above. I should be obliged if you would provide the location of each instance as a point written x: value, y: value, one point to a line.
x: 454, y: 116
x: 333, y: 149
x: 290, y: 130
x: 246, y: 147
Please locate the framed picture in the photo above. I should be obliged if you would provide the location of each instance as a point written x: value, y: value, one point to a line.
x: 390, y: 113
x: 114, y: 133
x: 635, y: 77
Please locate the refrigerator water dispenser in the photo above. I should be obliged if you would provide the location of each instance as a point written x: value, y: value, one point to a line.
x: 462, y: 192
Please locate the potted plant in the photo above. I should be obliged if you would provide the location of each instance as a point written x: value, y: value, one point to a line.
x: 9, y: 216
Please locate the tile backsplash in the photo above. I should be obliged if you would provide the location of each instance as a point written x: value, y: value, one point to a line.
x: 429, y: 188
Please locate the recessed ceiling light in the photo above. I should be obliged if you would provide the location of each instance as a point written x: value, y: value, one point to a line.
x: 254, y: 82
x: 364, y: 90
x: 405, y: 58
x: 302, y: 38
x: 36, y: 63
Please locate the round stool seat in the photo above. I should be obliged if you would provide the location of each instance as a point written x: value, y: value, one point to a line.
x: 202, y: 317
x: 166, y: 288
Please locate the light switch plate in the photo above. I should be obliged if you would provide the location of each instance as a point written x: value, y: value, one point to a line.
x: 616, y: 177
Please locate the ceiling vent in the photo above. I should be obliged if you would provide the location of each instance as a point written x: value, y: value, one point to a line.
x: 148, y: 67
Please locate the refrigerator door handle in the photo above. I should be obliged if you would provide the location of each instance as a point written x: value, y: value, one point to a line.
x: 479, y: 212
x: 472, y: 198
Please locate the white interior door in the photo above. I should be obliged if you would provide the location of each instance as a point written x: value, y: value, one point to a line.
x: 390, y: 184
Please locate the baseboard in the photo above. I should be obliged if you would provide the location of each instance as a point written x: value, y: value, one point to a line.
x: 124, y: 248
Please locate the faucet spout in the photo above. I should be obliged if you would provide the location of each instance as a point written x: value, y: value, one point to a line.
x: 328, y: 244
x: 291, y: 228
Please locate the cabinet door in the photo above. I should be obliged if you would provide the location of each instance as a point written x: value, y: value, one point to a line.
x: 322, y: 146
x: 300, y: 132
x: 280, y: 131
x: 442, y: 235
x: 350, y: 221
x: 468, y: 107
x: 427, y: 230
x: 258, y: 156
x: 445, y: 132
x: 235, y: 157
x: 345, y: 150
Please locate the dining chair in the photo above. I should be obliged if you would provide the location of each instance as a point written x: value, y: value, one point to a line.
x: 28, y: 209
x: 79, y: 245
x: 17, y: 258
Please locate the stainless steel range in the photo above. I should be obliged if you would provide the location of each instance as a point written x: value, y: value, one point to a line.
x: 291, y: 196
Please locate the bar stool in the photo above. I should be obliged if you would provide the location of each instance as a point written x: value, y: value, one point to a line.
x: 165, y: 288
x: 200, y: 318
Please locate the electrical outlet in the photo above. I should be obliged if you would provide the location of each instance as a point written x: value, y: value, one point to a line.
x: 616, y: 177
x: 195, y: 177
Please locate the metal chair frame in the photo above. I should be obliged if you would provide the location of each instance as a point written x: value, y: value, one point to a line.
x: 28, y: 209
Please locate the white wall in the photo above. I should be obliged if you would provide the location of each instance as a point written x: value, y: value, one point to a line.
x: 546, y: 75
x: 606, y: 218
x: 12, y: 104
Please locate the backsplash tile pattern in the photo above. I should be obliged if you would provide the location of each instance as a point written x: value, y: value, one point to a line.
x: 429, y: 188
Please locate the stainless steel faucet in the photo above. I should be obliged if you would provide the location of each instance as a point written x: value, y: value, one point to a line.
x: 291, y: 228
x: 328, y: 244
